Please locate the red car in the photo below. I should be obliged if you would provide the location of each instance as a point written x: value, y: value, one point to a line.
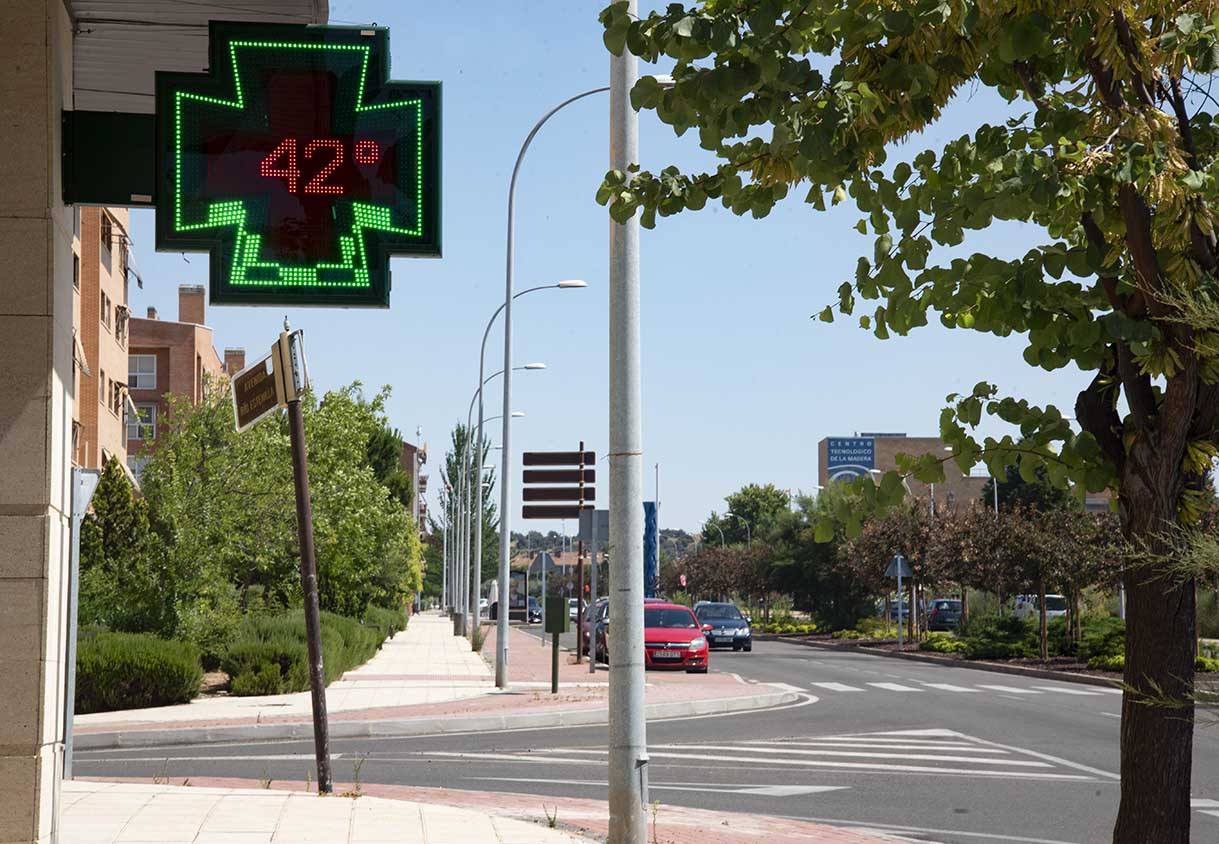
x: 673, y: 639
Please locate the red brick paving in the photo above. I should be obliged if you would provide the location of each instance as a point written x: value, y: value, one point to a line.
x: 668, y: 825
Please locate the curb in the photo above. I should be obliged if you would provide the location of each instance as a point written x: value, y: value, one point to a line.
x: 993, y: 667
x: 120, y: 739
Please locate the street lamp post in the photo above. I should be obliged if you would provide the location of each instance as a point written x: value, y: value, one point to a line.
x: 721, y: 530
x: 501, y: 623
x: 748, y: 535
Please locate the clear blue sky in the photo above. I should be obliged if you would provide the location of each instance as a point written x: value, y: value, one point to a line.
x: 739, y: 383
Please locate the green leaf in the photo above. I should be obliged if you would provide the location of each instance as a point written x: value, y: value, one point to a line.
x: 827, y: 314
x: 824, y: 531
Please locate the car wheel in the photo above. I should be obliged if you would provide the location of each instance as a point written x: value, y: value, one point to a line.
x: 735, y: 646
x: 702, y: 670
x: 749, y: 647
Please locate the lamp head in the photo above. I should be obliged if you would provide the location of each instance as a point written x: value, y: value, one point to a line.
x: 534, y: 366
x: 571, y: 283
x: 517, y: 414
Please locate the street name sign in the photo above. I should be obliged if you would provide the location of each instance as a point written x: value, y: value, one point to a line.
x: 254, y: 394
x: 298, y: 165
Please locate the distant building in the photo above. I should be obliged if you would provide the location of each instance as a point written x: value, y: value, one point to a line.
x: 412, y: 461
x: 842, y: 458
x: 100, y: 315
x: 168, y: 358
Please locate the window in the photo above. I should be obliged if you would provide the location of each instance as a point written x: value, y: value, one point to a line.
x: 101, y: 386
x: 116, y: 398
x: 142, y: 372
x: 76, y: 271
x: 107, y: 231
x: 144, y: 425
x: 105, y: 310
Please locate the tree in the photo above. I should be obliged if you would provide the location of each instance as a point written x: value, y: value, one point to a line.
x: 1106, y: 146
x: 489, y: 569
x: 125, y: 581
x: 1038, y: 494
x: 385, y: 457
x: 759, y: 506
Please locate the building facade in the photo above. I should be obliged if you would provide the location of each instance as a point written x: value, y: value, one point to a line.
x: 841, y: 458
x: 101, y: 319
x: 168, y: 358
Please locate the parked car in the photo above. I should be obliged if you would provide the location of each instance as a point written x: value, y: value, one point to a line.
x: 535, y: 611
x: 1028, y: 607
x: 724, y: 625
x: 573, y: 608
x: 893, y: 611
x: 482, y: 606
x: 945, y: 614
x: 596, y: 617
x: 672, y: 638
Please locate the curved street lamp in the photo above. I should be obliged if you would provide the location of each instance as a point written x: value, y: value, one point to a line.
x: 748, y: 536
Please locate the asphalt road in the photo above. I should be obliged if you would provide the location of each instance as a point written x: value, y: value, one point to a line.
x: 934, y: 753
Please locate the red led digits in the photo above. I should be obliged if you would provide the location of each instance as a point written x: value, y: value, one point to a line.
x: 286, y: 149
x: 316, y: 184
x: 367, y: 152
x: 364, y: 152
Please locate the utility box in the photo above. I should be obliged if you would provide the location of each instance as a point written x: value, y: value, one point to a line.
x: 556, y: 614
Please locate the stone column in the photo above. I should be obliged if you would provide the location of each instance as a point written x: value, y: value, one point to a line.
x: 36, y: 386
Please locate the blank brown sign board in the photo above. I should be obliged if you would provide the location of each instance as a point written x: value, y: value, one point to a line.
x: 558, y: 493
x: 559, y: 476
x: 557, y: 458
x: 552, y: 511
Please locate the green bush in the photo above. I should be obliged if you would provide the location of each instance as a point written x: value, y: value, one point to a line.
x: 1206, y: 664
x: 390, y: 622
x: 1102, y: 636
x: 942, y: 643
x: 133, y: 671
x: 999, y: 637
x: 269, y: 654
x: 1116, y: 662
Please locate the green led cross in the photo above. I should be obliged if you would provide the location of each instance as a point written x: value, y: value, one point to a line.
x: 216, y: 127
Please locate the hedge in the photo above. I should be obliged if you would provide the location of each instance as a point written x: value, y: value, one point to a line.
x: 269, y: 655
x: 133, y: 671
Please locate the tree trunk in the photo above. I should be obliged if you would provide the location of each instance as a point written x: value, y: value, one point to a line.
x: 964, y: 607
x: 1157, y: 740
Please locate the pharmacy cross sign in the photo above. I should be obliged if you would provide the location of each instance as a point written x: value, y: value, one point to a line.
x: 298, y: 165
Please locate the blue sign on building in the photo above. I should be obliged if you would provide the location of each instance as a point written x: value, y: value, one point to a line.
x: 651, y: 550
x: 849, y: 457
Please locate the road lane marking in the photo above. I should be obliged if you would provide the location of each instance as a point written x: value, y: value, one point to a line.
x: 872, y: 766
x: 959, y: 747
x: 849, y: 753
x: 1065, y: 691
x: 838, y: 687
x: 949, y: 687
x: 1047, y: 757
x: 894, y: 687
x: 1011, y: 690
x: 742, y: 788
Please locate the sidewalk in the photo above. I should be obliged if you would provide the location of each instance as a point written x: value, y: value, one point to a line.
x: 233, y: 811
x: 425, y: 680
x: 126, y: 813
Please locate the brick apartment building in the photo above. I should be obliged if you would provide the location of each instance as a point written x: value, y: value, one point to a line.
x: 101, y: 323
x: 412, y: 461
x: 171, y: 358
x: 845, y: 457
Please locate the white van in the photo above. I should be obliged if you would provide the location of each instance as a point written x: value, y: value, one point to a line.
x: 1026, y: 606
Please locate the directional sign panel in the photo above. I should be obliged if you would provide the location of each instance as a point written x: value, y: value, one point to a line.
x: 298, y: 165
x: 552, y: 511
x: 558, y: 458
x: 254, y: 394
x: 559, y: 493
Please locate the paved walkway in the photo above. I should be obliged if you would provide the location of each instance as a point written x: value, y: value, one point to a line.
x: 424, y: 664
x: 127, y: 813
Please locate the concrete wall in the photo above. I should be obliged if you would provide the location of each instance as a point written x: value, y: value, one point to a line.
x: 37, y: 383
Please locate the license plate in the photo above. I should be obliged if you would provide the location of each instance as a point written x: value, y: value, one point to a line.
x: 723, y: 640
x: 666, y: 654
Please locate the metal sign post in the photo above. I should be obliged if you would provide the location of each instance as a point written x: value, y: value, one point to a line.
x: 84, y: 484
x: 899, y: 568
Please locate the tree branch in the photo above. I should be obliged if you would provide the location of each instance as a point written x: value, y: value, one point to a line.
x: 1096, y: 411
x: 1137, y: 386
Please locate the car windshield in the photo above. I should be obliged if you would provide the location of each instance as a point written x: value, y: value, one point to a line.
x: 1055, y: 603
x: 947, y: 605
x: 718, y: 611
x: 668, y: 618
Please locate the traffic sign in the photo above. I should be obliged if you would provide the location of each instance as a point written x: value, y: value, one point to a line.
x: 254, y: 394
x: 559, y: 493
x: 560, y: 458
x: 559, y: 476
x: 898, y: 567
x: 553, y: 511
x: 297, y: 164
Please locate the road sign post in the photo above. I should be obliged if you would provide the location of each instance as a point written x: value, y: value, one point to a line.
x: 84, y: 484
x: 556, y: 623
x: 899, y: 568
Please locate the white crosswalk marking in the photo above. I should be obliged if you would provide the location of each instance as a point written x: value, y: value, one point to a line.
x: 894, y: 687
x: 949, y: 687
x: 1205, y: 807
x: 1011, y: 690
x: 1063, y: 690
x: 838, y: 687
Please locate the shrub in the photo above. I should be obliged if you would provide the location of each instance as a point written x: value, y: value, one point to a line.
x: 270, y: 655
x: 1102, y: 662
x: 389, y: 622
x: 134, y: 670
x: 942, y: 643
x: 1102, y: 636
x: 999, y: 637
x: 1206, y: 664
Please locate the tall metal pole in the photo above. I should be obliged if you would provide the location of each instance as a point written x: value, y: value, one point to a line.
x: 444, y: 558
x: 628, y: 752
x: 505, y: 474
x: 313, y: 624
x: 84, y: 483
